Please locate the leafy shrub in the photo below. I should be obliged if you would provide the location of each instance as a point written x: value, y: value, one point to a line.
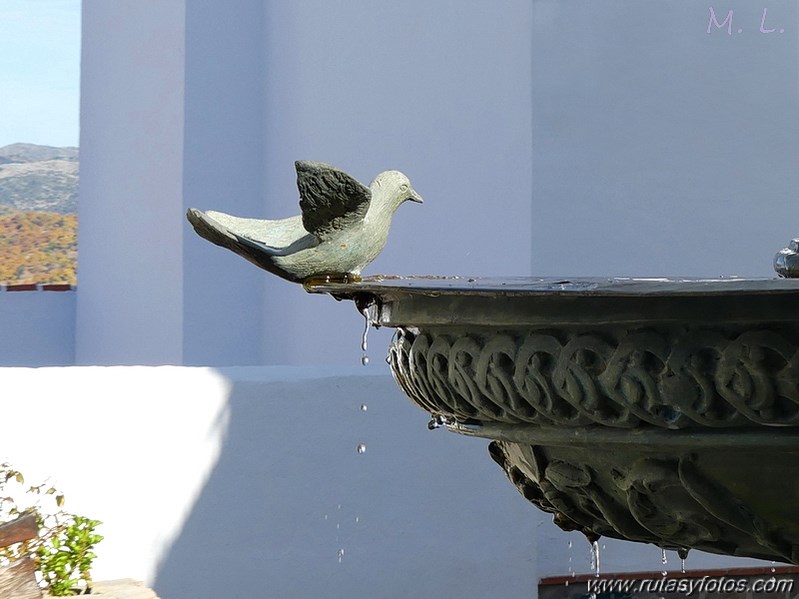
x: 63, y: 551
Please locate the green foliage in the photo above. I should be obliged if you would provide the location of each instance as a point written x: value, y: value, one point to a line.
x: 65, y: 558
x: 64, y: 549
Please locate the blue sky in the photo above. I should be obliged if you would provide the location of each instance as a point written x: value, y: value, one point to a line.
x: 39, y: 71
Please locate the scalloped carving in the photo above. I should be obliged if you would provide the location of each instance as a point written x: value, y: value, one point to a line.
x: 670, y: 378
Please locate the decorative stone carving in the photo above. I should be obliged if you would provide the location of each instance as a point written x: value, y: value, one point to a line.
x: 668, y: 378
x: 668, y: 500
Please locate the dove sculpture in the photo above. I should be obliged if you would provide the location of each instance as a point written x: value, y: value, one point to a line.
x: 343, y: 226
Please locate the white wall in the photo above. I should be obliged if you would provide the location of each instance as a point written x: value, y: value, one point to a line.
x: 246, y: 482
x: 38, y: 327
x: 660, y: 149
x: 130, y: 240
x: 223, y: 166
x: 439, y: 90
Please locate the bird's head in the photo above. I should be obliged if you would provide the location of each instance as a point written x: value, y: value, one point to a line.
x: 394, y: 188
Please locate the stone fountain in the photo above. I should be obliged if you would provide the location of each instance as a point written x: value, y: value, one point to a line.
x: 652, y: 410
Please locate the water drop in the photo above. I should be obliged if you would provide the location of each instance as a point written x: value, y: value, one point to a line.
x: 325, y: 516
x: 571, y: 569
x: 664, y: 560
x: 338, y: 526
x: 364, y: 407
x: 595, y: 558
x: 340, y: 555
x: 773, y: 569
x: 367, y: 323
x: 683, y: 553
x: 361, y: 448
x: 357, y: 519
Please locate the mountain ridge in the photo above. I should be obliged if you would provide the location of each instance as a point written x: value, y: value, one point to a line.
x: 40, y: 178
x: 38, y: 214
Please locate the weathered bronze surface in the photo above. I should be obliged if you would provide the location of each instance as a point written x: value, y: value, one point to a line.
x: 343, y: 226
x: 786, y: 262
x: 661, y: 411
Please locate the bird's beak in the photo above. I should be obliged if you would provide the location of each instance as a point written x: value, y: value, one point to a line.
x: 415, y: 197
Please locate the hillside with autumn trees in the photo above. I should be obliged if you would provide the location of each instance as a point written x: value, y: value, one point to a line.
x: 38, y: 247
x: 38, y: 224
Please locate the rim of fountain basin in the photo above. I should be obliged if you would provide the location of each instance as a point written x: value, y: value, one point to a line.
x: 418, y: 301
x: 619, y: 320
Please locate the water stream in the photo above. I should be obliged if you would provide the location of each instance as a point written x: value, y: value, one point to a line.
x: 365, y: 337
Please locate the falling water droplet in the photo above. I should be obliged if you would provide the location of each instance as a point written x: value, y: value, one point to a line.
x: 361, y: 448
x: 571, y: 568
x: 357, y: 519
x: 683, y: 553
x: 340, y: 555
x: 338, y: 526
x: 595, y: 558
x: 664, y: 560
x: 325, y: 516
x: 773, y: 569
x: 365, y: 337
x: 364, y: 407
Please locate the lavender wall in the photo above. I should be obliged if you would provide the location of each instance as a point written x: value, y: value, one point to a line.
x: 38, y: 328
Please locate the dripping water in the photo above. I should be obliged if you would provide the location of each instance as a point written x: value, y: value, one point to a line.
x: 365, y: 336
x: 340, y: 555
x: 595, y: 558
x: 361, y: 448
x: 683, y: 553
x: 369, y: 317
x: 664, y: 560
x: 572, y: 573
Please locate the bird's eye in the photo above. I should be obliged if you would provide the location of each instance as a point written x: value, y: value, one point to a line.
x: 404, y: 187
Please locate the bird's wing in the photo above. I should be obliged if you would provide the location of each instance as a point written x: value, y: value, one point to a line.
x: 330, y: 199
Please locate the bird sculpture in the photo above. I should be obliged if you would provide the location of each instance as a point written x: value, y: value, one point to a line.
x: 343, y: 226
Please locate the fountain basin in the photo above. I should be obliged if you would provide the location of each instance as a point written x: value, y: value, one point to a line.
x: 653, y: 410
